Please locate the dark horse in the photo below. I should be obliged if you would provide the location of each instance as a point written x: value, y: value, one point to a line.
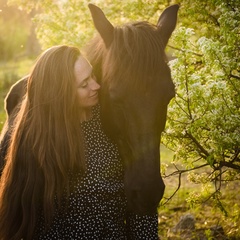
x: 136, y: 87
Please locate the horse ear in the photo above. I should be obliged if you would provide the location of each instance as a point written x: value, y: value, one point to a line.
x: 167, y: 22
x: 15, y: 95
x: 101, y: 23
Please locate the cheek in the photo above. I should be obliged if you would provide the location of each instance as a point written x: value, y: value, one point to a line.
x: 82, y: 95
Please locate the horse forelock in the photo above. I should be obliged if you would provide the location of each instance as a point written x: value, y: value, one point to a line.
x: 134, y: 59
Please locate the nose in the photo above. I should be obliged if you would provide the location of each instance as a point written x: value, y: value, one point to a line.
x: 94, y: 85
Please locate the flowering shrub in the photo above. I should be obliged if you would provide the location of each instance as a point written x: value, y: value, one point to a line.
x: 203, y: 127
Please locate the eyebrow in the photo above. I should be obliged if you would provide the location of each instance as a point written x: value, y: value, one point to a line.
x: 86, y: 78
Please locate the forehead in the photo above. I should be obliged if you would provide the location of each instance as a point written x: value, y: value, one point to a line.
x: 82, y: 69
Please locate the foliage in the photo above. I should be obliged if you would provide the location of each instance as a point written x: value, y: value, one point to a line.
x: 69, y: 22
x: 12, y: 39
x: 14, y: 32
x: 203, y: 127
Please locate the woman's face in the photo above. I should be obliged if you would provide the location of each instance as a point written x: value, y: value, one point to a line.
x: 87, y: 86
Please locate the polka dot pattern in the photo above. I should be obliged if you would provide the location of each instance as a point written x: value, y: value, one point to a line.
x: 97, y: 204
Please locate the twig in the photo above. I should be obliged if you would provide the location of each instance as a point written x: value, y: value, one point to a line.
x: 185, y: 51
x: 179, y: 172
x: 198, y: 144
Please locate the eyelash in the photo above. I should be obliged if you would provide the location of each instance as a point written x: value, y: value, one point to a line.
x: 85, y: 83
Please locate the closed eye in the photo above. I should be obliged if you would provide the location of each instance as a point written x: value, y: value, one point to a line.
x: 84, y: 82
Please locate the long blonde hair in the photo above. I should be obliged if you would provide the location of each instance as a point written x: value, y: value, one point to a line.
x: 45, y: 146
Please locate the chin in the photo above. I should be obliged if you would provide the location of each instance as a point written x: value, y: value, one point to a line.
x: 95, y: 103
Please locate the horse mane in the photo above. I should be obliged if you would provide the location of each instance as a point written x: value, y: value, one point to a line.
x: 135, y: 54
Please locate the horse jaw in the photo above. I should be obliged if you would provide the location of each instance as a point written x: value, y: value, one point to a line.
x: 144, y: 195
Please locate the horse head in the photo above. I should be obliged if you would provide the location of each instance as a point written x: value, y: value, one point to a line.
x: 131, y: 64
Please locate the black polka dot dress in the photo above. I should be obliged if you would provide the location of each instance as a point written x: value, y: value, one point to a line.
x: 97, y: 204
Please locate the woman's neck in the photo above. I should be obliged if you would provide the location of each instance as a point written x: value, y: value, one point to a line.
x: 86, y: 114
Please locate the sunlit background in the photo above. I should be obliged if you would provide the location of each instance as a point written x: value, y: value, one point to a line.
x: 201, y: 143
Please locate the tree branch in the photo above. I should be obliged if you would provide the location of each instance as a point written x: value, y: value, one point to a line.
x: 234, y: 76
x: 185, y: 51
x: 198, y: 144
x: 179, y: 173
x: 229, y: 165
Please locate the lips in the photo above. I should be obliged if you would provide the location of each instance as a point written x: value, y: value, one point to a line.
x: 94, y: 95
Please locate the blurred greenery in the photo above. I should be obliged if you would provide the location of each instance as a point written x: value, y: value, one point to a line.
x: 18, y: 48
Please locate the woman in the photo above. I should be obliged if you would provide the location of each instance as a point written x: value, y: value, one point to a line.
x: 63, y: 177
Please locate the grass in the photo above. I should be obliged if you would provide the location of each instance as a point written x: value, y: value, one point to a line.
x: 207, y: 214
